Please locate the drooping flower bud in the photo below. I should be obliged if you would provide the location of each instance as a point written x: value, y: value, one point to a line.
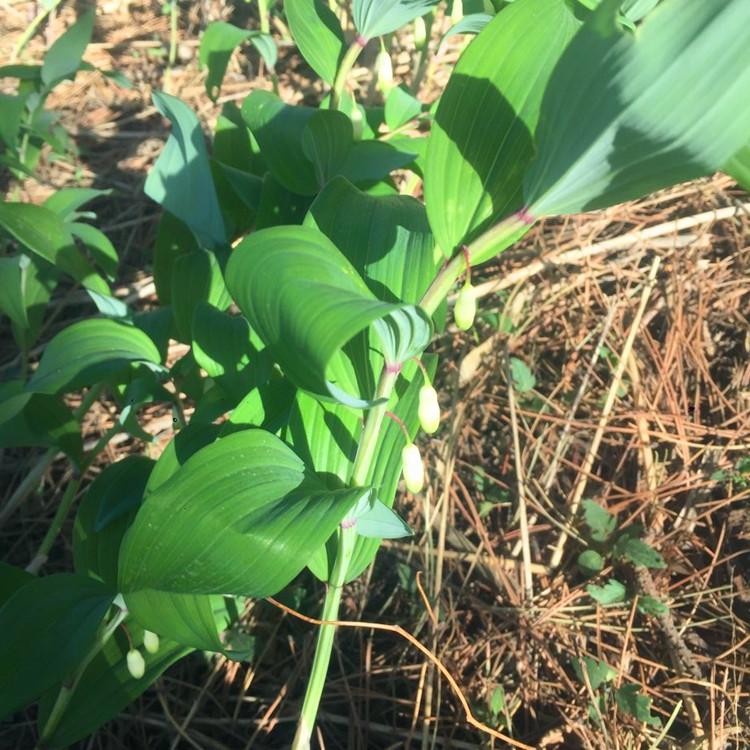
x: 458, y: 11
x: 358, y: 125
x: 150, y: 641
x: 413, y: 469
x: 384, y: 70
x: 429, y: 409
x: 465, y: 309
x: 420, y: 33
x: 136, y: 663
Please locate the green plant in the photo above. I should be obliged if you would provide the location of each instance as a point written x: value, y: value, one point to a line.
x: 304, y: 408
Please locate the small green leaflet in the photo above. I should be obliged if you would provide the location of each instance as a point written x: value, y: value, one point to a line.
x: 590, y: 562
x: 597, y: 671
x: 600, y: 521
x: 378, y: 17
x: 63, y: 58
x: 649, y: 605
x: 612, y: 592
x: 523, y: 378
x: 638, y: 552
x: 630, y: 700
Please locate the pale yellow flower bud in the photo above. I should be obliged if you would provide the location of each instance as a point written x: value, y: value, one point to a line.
x: 384, y: 70
x: 429, y: 409
x: 465, y: 309
x: 420, y: 33
x: 136, y: 664
x: 150, y: 641
x: 413, y: 468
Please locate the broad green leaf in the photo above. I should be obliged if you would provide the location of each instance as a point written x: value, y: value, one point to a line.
x: 99, y: 245
x: 600, y: 521
x: 44, y: 233
x: 194, y: 620
x: 67, y: 201
x: 89, y: 351
x: 378, y: 17
x: 597, y: 671
x: 196, y: 277
x: 34, y: 419
x: 667, y: 104
x: 11, y: 111
x: 267, y: 405
x: 64, y: 57
x: 739, y: 167
x: 12, y: 579
x: 242, y: 516
x: 318, y: 35
x: 48, y: 625
x: 181, y: 181
x: 630, y: 700
x: 218, y: 42
x: 638, y: 552
x: 279, y: 205
x: 173, y: 239
x: 400, y: 107
x: 482, y: 140
x: 326, y: 140
x: 233, y: 143
x: 635, y: 10
x: 308, y: 303
x: 471, y: 24
x: 106, y: 687
x: 612, y: 592
x: 370, y: 161
x: 590, y: 562
x: 279, y: 130
x: 104, y: 516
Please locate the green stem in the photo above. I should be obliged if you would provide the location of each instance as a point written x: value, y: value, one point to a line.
x: 173, y: 8
x: 448, y: 275
x: 347, y: 63
x: 265, y: 26
x: 347, y: 538
x: 67, y: 690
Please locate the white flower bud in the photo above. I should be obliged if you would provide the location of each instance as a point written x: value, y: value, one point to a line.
x: 136, y: 663
x: 429, y: 409
x: 420, y: 33
x: 358, y: 125
x: 150, y: 641
x: 384, y: 70
x: 413, y: 468
x: 465, y: 309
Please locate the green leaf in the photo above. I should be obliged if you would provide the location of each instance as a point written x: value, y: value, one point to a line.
x: 652, y: 109
x: 318, y: 35
x: 196, y: 277
x: 12, y: 579
x: 181, y: 181
x: 173, y: 239
x: 242, y: 516
x: 401, y: 107
x: 64, y: 57
x: 218, y: 42
x: 194, y: 620
x: 11, y: 112
x: 89, y: 351
x: 638, y: 552
x: 44, y: 233
x: 739, y: 167
x: 601, y: 522
x: 13, y: 274
x: 590, y: 562
x: 99, y: 245
x: 649, y: 605
x: 497, y: 701
x: 106, y: 686
x: 67, y: 201
x: 371, y: 161
x: 471, y: 24
x: 28, y: 419
x: 598, y: 671
x: 482, y: 140
x: 612, y: 592
x: 630, y: 700
x: 279, y: 205
x: 523, y: 379
x: 326, y: 140
x: 378, y: 17
x: 382, y: 522
x: 48, y: 625
x: 308, y: 303
x: 104, y: 516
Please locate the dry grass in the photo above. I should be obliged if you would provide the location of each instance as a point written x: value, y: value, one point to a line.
x: 501, y: 614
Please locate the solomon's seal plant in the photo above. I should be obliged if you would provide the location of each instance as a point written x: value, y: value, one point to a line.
x: 304, y: 285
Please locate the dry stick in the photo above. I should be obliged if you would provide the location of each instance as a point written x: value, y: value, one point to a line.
x: 528, y: 580
x: 588, y: 462
x: 470, y: 718
x: 622, y: 242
